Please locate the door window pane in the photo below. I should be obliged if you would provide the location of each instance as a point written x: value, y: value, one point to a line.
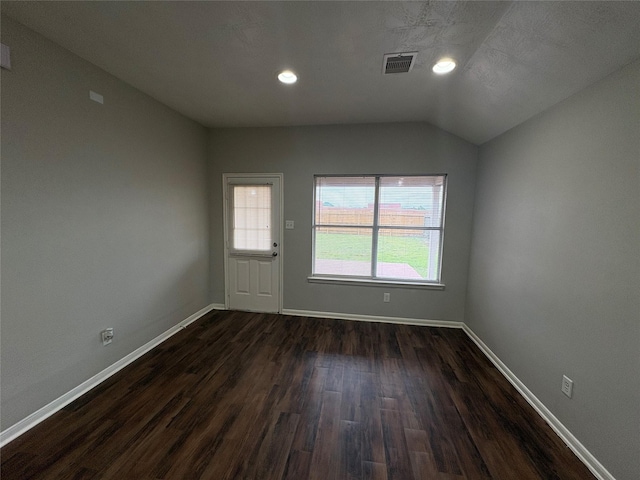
x: 251, y: 217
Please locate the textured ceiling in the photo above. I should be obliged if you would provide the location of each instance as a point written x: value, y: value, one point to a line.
x: 216, y: 62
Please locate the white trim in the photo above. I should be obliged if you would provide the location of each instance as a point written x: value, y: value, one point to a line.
x: 45, y: 412
x: 369, y: 282
x: 563, y: 432
x: 373, y: 318
x: 600, y: 472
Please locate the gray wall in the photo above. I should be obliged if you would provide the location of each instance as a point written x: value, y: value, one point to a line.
x: 301, y: 152
x: 554, y: 277
x: 104, y: 221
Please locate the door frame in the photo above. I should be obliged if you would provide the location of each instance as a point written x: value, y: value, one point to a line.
x: 225, y: 220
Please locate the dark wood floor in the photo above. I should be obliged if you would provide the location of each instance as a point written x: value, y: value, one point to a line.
x: 240, y: 395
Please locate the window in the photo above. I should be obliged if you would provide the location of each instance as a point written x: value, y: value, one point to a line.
x: 379, y: 228
x: 250, y: 229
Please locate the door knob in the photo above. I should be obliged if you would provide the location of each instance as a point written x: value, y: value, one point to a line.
x: 274, y: 254
x: 275, y: 244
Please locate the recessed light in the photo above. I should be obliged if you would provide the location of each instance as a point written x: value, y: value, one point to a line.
x: 288, y: 77
x: 444, y: 65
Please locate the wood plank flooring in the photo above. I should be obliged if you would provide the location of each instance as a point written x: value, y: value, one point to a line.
x: 258, y: 396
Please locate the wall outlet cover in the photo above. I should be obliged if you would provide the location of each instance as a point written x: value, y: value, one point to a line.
x: 567, y: 386
x: 107, y: 336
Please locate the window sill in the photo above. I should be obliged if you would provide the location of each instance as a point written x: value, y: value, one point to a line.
x: 370, y: 282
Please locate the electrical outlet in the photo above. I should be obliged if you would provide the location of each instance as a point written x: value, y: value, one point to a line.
x: 289, y: 224
x: 567, y: 386
x: 107, y: 336
x: 387, y: 297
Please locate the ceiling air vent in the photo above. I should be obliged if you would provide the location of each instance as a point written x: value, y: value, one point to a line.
x: 398, y: 62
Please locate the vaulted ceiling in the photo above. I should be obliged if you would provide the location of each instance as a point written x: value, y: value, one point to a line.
x: 216, y: 62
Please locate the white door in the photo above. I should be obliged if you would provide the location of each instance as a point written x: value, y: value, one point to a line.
x: 252, y: 242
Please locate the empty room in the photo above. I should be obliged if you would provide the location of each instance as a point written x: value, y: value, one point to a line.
x: 320, y: 240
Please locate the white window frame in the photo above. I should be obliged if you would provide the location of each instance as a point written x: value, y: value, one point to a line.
x: 375, y: 228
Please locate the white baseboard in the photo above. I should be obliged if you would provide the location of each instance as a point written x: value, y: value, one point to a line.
x: 600, y: 472
x: 373, y: 318
x: 45, y: 412
x: 218, y: 306
x: 567, y: 437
